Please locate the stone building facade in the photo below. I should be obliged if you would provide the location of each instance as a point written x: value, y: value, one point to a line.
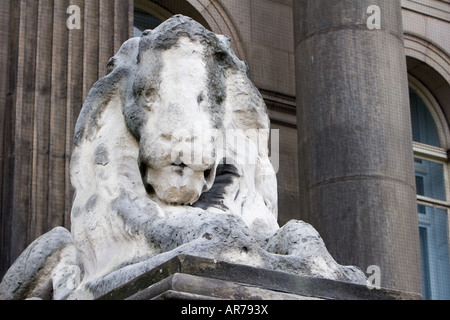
x: 359, y: 91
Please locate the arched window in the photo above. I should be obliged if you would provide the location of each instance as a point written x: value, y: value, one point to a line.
x: 430, y: 132
x: 148, y: 15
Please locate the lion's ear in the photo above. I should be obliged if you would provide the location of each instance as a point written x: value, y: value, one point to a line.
x: 245, y: 106
x: 119, y: 69
x: 110, y: 66
x: 104, y: 147
x: 127, y: 55
x: 106, y: 154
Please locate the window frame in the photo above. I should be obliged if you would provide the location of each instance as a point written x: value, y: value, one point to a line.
x: 435, y: 110
x: 434, y: 154
x: 152, y: 8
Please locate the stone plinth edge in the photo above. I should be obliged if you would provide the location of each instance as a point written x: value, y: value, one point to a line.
x: 194, y: 278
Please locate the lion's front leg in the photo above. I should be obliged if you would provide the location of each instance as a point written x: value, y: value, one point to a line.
x: 34, y: 272
x: 300, y: 244
x: 67, y: 274
x: 209, y: 234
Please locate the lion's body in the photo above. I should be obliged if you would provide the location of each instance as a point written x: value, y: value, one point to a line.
x: 162, y: 107
x: 171, y: 157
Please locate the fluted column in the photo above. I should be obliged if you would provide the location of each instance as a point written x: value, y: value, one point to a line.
x: 47, y: 70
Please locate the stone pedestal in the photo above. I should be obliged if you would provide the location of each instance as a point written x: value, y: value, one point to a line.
x: 192, y: 278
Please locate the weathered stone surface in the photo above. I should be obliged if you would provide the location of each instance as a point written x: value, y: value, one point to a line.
x: 170, y: 158
x: 42, y: 266
x: 225, y: 237
x: 194, y: 287
x: 189, y: 277
x: 354, y: 132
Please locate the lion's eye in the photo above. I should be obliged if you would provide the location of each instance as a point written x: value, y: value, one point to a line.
x: 200, y: 98
x: 150, y: 97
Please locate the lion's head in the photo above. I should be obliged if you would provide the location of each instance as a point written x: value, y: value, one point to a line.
x: 175, y: 111
x: 175, y: 122
x: 186, y: 90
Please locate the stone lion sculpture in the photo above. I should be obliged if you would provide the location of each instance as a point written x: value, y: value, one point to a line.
x: 171, y: 157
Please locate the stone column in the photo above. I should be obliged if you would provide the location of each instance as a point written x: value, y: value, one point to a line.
x: 355, y: 143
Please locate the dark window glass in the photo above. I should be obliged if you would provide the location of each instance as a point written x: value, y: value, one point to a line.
x: 143, y: 21
x: 423, y: 125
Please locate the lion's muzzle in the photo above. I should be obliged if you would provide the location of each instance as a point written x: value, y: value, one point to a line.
x: 179, y: 167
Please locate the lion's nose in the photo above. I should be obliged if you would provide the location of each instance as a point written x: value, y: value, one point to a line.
x: 178, y: 162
